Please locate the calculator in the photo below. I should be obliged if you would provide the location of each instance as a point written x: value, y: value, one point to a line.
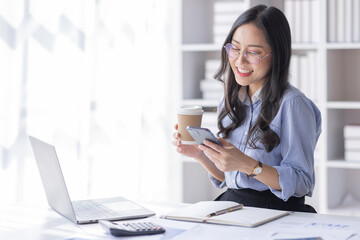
x: 131, y: 228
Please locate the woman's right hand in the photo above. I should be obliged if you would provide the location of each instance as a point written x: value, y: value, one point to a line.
x: 191, y: 151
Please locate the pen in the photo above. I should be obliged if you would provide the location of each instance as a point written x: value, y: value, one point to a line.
x: 226, y: 210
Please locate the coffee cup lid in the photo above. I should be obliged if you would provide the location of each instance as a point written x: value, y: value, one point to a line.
x: 190, y: 110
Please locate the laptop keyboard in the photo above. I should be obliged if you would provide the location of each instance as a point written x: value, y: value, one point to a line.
x: 89, y: 209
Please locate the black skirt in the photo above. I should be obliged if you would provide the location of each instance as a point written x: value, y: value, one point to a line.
x: 265, y: 199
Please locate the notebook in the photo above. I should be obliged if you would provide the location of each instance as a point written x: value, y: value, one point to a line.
x: 245, y: 217
x: 84, y: 211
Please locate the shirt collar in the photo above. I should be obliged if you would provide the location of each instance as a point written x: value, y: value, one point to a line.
x: 243, y: 94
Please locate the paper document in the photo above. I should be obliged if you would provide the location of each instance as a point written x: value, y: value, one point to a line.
x: 246, y: 217
x: 302, y: 227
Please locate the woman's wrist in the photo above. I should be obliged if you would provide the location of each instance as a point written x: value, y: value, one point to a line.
x: 249, y: 166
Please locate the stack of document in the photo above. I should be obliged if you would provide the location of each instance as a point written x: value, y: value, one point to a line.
x: 304, y: 19
x: 352, y: 142
x: 225, y: 14
x: 211, y: 88
x: 343, y: 21
x: 303, y: 74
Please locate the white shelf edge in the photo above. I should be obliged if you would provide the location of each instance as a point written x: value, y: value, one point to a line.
x: 343, y: 105
x: 201, y: 47
x: 343, y: 46
x: 343, y: 164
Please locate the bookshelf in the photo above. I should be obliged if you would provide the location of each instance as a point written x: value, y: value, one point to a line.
x: 326, y: 53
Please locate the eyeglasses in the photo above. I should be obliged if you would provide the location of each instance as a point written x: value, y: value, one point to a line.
x: 251, y: 56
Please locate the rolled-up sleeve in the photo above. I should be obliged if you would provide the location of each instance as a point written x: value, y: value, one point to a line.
x: 216, y: 182
x: 300, y: 129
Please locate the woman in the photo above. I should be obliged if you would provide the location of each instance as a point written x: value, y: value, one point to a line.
x: 269, y: 129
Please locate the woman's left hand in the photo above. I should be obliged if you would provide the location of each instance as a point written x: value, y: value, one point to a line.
x: 228, y: 157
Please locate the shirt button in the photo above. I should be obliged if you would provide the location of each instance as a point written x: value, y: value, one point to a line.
x: 245, y: 133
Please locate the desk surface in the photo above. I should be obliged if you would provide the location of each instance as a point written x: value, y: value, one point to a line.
x: 35, y: 223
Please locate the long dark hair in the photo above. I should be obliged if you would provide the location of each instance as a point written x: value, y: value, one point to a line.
x: 277, y: 32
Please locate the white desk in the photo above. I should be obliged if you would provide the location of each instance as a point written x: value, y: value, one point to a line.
x: 35, y: 223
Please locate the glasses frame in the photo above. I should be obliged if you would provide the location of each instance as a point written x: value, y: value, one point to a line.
x: 228, y: 46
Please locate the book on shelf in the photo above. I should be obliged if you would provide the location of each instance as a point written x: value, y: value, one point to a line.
x: 294, y: 71
x: 212, y: 64
x: 289, y: 13
x: 315, y: 21
x: 225, y: 14
x: 343, y: 21
x: 340, y: 21
x: 225, y: 18
x: 245, y: 217
x: 228, y: 6
x: 211, y: 67
x: 219, y: 39
x: 348, y: 21
x: 314, y: 83
x: 297, y: 21
x: 356, y: 21
x: 305, y: 82
x: 331, y: 19
x: 352, y: 144
x: 304, y: 20
x: 211, y: 85
x: 211, y: 89
x: 352, y: 131
x: 221, y: 30
x: 303, y: 74
x: 351, y: 155
x: 209, y: 74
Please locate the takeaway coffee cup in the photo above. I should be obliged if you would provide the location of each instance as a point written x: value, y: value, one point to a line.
x: 188, y: 116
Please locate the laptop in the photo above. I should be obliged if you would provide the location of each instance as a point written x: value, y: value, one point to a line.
x: 84, y: 211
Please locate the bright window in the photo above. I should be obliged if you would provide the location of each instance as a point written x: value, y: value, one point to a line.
x: 92, y: 78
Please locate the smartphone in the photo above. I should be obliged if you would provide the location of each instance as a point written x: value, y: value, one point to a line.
x: 201, y: 134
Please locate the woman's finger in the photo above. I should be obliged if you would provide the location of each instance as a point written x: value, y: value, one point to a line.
x: 210, y: 153
x: 176, y: 135
x: 175, y: 143
x: 212, y: 145
x: 223, y: 142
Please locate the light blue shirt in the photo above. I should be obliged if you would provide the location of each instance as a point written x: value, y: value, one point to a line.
x: 298, y: 124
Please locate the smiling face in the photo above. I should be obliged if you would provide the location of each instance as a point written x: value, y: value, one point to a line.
x: 250, y: 38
